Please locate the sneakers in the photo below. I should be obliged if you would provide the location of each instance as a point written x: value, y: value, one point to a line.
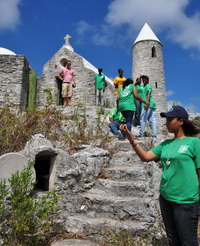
x: 121, y: 138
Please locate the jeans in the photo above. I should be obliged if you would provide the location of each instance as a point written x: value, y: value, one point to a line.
x: 181, y: 222
x: 148, y: 115
x: 115, y: 128
x: 100, y: 97
x: 128, y: 115
x: 138, y: 105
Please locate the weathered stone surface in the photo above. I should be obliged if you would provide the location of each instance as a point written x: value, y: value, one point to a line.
x: 74, y: 242
x: 100, y: 189
x: 14, y: 79
x: 84, y: 93
x: 11, y: 163
x: 38, y: 145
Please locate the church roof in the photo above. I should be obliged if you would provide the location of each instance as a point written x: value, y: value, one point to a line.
x: 4, y: 51
x: 146, y: 34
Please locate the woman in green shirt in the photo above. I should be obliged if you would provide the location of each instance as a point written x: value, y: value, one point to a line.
x: 179, y: 186
x: 125, y: 101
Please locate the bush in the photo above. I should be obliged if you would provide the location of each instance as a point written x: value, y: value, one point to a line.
x: 16, y: 128
x: 25, y: 220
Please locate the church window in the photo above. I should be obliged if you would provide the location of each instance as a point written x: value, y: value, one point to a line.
x: 153, y: 52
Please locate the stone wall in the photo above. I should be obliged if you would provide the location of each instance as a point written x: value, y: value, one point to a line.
x: 85, y: 89
x: 14, y: 80
x: 144, y: 63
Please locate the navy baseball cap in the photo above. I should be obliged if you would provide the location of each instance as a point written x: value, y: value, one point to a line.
x: 176, y: 112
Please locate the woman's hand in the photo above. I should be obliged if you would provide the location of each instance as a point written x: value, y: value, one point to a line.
x: 123, y: 128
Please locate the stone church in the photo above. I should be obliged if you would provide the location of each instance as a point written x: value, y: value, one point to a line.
x: 20, y: 86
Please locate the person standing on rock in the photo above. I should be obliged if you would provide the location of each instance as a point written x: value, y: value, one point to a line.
x: 138, y: 104
x: 179, y: 185
x: 67, y: 75
x: 148, y: 111
x: 99, y: 87
x: 118, y: 81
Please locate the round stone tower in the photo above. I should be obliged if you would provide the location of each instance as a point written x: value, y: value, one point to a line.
x: 148, y: 60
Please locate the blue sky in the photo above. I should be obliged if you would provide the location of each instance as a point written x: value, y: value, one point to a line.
x: 103, y: 32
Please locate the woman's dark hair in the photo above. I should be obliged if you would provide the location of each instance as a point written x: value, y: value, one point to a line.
x: 189, y: 128
x: 138, y: 81
x: 127, y: 82
x: 119, y: 70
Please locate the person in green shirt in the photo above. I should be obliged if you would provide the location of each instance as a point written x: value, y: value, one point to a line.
x: 148, y: 111
x: 179, y: 185
x: 115, y: 118
x: 99, y: 87
x: 125, y: 101
x: 138, y: 104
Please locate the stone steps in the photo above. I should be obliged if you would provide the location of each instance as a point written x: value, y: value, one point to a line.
x: 120, y: 199
x: 101, y: 204
x: 125, y: 172
x: 120, y: 188
x: 128, y: 157
x: 96, y: 227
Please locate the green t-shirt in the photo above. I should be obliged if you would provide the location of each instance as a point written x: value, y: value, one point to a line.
x: 126, y: 98
x: 99, y: 81
x: 148, y: 88
x: 179, y: 181
x: 140, y: 89
x: 116, y: 116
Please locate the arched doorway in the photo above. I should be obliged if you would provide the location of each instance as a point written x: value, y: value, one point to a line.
x: 43, y: 167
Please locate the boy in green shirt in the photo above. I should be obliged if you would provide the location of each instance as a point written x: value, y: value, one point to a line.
x: 148, y: 111
x: 116, y: 118
x: 99, y: 87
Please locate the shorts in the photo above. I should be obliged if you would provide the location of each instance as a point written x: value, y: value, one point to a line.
x: 67, y: 90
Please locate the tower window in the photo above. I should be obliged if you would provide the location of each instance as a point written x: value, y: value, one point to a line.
x: 156, y: 85
x: 153, y: 52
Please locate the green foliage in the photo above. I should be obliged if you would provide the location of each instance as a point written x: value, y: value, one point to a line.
x: 49, y: 96
x: 25, y: 220
x: 148, y: 238
x: 79, y: 131
x: 16, y: 128
x: 107, y: 103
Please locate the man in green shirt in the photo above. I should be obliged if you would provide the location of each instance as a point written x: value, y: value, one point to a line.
x: 99, y: 87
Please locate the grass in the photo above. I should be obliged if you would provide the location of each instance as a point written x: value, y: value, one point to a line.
x: 17, y: 127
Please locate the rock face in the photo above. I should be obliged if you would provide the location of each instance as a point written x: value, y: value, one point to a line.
x: 99, y: 190
x: 14, y: 80
x: 121, y: 199
x: 10, y: 163
x: 74, y: 242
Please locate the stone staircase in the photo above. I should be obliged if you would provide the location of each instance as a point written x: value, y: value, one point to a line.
x: 121, y: 200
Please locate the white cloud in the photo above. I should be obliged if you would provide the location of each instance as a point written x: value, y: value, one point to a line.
x: 82, y: 27
x: 173, y: 103
x: 169, y: 93
x: 9, y: 14
x: 191, y: 108
x: 167, y: 16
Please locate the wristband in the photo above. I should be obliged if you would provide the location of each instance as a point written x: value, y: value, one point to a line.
x: 133, y: 145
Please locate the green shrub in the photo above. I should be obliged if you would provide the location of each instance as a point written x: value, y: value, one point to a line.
x: 16, y: 128
x: 25, y: 220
